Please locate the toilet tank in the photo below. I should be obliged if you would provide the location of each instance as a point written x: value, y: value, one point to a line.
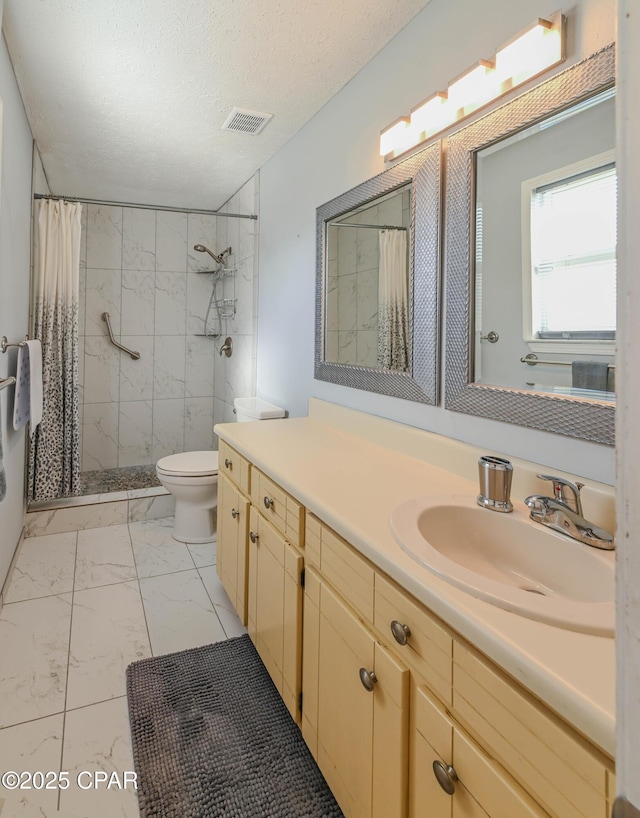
x: 256, y: 409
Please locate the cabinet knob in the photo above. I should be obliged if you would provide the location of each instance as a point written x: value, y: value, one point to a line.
x: 445, y: 776
x: 227, y: 463
x: 268, y: 502
x: 400, y: 632
x: 235, y: 513
x: 253, y: 537
x: 368, y: 679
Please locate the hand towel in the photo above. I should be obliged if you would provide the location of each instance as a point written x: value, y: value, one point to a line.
x: 589, y: 375
x: 28, y: 400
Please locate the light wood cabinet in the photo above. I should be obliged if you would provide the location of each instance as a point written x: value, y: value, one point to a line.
x: 479, y: 787
x: 275, y: 607
x: 434, y: 697
x: 356, y: 709
x: 231, y: 556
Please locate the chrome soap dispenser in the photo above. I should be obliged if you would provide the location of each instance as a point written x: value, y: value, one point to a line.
x: 495, y: 474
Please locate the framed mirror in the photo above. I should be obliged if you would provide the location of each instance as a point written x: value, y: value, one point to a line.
x: 530, y: 270
x: 377, y: 274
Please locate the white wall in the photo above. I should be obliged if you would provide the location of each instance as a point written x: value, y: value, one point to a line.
x: 15, y: 224
x: 337, y: 150
x: 628, y: 556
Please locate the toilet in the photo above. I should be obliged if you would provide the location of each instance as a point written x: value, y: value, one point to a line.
x: 192, y: 478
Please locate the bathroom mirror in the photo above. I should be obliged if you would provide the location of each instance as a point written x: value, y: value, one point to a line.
x: 526, y: 341
x: 377, y: 282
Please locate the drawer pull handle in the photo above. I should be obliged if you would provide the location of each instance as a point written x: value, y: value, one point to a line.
x: 445, y: 776
x: 235, y: 513
x: 400, y: 632
x: 268, y: 502
x: 368, y: 679
x: 253, y: 537
x: 227, y: 463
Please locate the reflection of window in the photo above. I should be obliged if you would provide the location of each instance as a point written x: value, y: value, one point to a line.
x: 573, y: 254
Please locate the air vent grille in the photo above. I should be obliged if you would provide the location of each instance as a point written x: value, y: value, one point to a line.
x: 245, y: 121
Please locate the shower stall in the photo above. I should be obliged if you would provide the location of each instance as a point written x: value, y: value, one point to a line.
x: 152, y: 381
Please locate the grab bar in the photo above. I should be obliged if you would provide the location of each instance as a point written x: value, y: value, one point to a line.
x: 107, y: 319
x: 4, y: 382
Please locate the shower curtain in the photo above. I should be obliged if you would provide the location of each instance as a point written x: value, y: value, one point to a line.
x: 393, y: 301
x: 54, y: 463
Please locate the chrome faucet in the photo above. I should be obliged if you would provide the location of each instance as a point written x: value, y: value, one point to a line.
x: 563, y: 513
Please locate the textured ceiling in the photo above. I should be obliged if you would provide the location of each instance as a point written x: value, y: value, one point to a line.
x: 126, y: 98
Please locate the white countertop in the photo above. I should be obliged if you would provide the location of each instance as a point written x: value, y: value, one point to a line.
x: 353, y: 484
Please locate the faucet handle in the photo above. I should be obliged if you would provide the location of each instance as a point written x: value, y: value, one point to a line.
x: 565, y: 491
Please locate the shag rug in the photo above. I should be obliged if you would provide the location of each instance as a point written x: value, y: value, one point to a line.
x: 213, y: 739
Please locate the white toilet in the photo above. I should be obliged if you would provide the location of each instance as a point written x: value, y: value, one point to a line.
x: 192, y: 478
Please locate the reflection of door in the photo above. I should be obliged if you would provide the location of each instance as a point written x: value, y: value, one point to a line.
x: 503, y: 249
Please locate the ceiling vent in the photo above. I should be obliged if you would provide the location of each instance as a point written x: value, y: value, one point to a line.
x: 245, y: 121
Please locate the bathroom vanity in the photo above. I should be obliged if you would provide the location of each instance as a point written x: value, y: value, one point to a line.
x: 414, y: 697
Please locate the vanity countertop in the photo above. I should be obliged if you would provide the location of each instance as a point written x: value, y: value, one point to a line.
x: 352, y: 484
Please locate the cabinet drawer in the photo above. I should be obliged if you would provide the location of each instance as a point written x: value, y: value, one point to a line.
x: 234, y: 466
x: 346, y: 570
x: 429, y: 646
x: 280, y: 508
x: 483, y: 789
x: 561, y: 770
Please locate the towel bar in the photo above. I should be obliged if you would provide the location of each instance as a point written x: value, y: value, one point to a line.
x: 4, y: 382
x: 533, y: 359
x: 4, y: 343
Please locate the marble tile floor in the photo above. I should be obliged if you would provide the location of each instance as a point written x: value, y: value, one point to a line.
x: 79, y: 607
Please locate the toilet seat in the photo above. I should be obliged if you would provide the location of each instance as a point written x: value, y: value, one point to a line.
x: 189, y: 464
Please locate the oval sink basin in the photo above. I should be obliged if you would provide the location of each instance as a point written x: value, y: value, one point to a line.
x: 510, y: 561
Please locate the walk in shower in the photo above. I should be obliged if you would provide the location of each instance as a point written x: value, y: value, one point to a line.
x: 171, y: 295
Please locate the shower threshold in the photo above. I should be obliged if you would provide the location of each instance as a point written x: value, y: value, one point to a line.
x: 107, y: 486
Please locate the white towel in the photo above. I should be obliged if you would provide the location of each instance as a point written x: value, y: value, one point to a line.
x: 28, y: 400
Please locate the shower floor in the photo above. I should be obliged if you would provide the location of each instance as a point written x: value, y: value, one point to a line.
x: 127, y: 478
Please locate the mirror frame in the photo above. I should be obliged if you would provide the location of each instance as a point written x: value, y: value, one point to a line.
x: 423, y: 169
x: 573, y: 416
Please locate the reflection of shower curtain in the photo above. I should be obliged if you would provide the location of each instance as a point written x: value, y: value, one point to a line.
x: 393, y: 302
x: 54, y: 467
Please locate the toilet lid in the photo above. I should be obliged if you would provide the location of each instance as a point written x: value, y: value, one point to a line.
x: 198, y: 464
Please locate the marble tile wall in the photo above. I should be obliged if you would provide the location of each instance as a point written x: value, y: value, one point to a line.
x: 352, y: 285
x: 140, y: 267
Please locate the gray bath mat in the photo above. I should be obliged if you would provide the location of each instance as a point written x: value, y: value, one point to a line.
x: 213, y: 739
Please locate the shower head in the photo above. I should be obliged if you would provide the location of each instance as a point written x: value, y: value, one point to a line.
x: 200, y: 248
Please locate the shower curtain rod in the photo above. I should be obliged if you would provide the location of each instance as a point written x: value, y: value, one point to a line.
x: 368, y: 226
x: 146, y: 206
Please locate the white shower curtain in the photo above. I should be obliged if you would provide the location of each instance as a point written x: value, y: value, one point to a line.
x: 393, y: 301
x: 54, y: 467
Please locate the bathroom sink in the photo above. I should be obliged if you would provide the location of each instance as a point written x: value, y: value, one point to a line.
x: 510, y: 561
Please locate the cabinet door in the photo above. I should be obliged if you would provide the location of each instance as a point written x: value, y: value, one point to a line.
x: 361, y: 733
x: 274, y: 607
x: 231, y: 559
x: 482, y: 789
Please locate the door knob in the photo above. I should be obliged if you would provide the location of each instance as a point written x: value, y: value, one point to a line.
x: 235, y: 513
x: 492, y: 337
x: 227, y: 463
x: 253, y: 537
x: 268, y: 502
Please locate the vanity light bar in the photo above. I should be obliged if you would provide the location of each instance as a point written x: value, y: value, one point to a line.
x: 538, y: 48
